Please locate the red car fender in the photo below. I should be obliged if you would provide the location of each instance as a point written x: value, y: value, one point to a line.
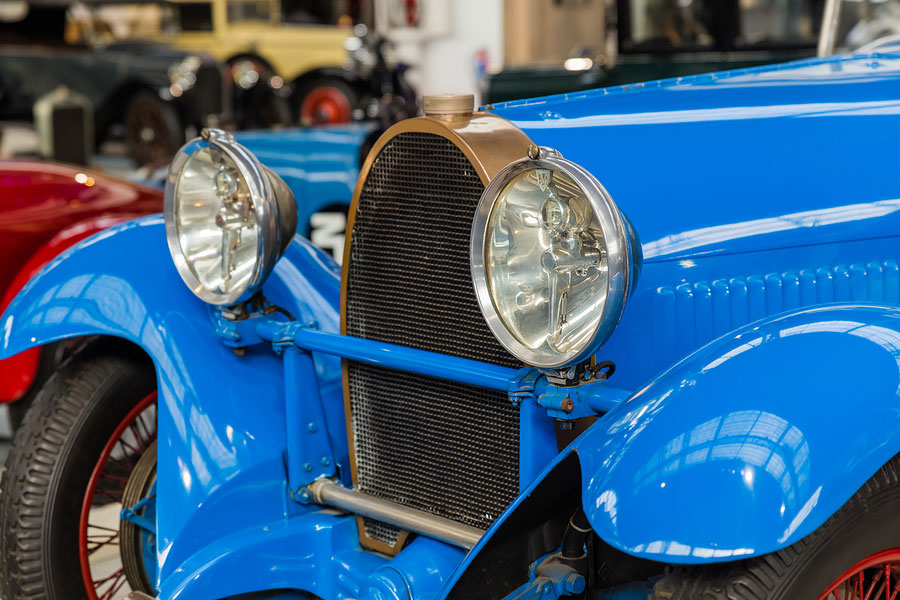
x: 45, y: 208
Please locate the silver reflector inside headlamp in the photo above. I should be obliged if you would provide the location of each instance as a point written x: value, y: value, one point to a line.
x: 551, y: 261
x: 228, y: 218
x: 215, y: 222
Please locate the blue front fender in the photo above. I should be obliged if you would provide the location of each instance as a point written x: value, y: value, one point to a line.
x: 221, y: 418
x: 750, y: 443
x: 742, y: 448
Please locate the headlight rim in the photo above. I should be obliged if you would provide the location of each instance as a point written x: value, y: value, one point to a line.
x: 620, y: 258
x: 265, y: 208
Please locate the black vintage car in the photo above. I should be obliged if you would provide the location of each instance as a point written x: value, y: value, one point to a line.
x: 656, y: 39
x: 150, y: 92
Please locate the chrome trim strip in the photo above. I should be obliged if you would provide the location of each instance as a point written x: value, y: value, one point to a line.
x: 329, y: 493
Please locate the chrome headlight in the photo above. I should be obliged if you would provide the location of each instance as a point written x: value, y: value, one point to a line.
x: 228, y: 218
x: 551, y: 259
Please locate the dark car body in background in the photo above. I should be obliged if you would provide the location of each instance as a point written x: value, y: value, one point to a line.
x: 701, y: 36
x: 129, y: 83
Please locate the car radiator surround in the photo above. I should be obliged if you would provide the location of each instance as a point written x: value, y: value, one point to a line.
x: 440, y: 447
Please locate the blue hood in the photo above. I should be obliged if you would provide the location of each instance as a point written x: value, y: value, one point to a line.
x: 740, y: 161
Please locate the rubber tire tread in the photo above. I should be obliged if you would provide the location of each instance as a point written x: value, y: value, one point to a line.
x: 53, y: 453
x: 864, y: 525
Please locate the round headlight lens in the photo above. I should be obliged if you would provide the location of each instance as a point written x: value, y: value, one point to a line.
x: 550, y: 260
x: 227, y: 218
x: 215, y: 223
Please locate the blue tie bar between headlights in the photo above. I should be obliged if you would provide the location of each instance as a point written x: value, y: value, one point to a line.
x: 391, y: 356
x: 591, y: 398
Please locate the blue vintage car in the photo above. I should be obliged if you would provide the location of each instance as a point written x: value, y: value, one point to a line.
x: 629, y: 343
x: 320, y: 166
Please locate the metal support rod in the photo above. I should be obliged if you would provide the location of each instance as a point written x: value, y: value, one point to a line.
x: 411, y: 360
x: 828, y: 33
x: 328, y: 493
x: 309, y: 453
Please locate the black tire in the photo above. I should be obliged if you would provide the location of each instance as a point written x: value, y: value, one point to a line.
x: 153, y: 130
x: 51, y: 357
x: 53, y: 455
x: 338, y: 87
x: 257, y: 105
x: 866, y: 525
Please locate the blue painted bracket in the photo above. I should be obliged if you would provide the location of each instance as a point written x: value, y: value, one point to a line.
x: 565, y: 403
x: 586, y: 400
x: 131, y: 515
x: 521, y: 387
x: 309, y: 451
x: 309, y: 454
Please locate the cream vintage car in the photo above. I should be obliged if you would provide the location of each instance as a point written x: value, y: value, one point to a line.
x: 266, y: 41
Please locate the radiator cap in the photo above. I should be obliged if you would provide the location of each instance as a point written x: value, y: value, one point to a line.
x: 448, y: 105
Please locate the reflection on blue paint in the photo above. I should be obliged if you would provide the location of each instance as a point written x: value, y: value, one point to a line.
x: 716, y: 236
x: 732, y: 452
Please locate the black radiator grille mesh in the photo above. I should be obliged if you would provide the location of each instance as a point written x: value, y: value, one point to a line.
x: 445, y: 448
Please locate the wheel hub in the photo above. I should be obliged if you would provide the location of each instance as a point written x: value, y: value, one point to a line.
x: 137, y: 529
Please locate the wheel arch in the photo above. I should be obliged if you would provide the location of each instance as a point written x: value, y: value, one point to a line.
x: 122, y: 286
x: 346, y: 75
x: 253, y: 56
x: 750, y: 443
x: 20, y: 372
x: 115, y: 104
x: 741, y: 449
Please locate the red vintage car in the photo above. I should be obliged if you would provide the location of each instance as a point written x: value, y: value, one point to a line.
x: 44, y: 209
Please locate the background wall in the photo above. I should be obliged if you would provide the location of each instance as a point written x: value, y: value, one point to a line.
x: 550, y: 31
x: 451, y: 44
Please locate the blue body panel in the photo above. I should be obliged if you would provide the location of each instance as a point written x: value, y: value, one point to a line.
x: 750, y: 443
x: 320, y: 165
x: 772, y: 188
x: 746, y: 404
x: 221, y: 420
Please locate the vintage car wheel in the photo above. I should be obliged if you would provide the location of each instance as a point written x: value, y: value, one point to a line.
x: 66, y: 475
x: 855, y: 555
x: 152, y: 129
x: 325, y: 102
x: 52, y: 356
x: 138, y: 536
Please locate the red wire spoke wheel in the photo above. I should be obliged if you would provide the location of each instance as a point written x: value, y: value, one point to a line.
x: 75, y: 456
x: 875, y: 578
x: 126, y: 445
